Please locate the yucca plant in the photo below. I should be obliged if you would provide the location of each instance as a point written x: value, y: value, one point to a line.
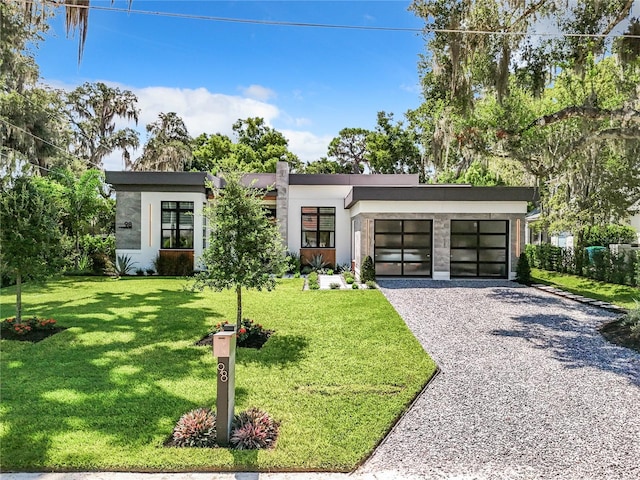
x: 124, y: 265
x: 317, y: 263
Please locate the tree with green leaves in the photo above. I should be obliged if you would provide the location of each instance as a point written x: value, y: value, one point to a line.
x: 563, y: 110
x: 213, y: 153
x: 168, y: 148
x: 30, y: 234
x: 260, y: 147
x: 349, y: 149
x: 33, y: 127
x: 82, y: 200
x: 257, y: 149
x: 392, y: 148
x: 324, y: 165
x: 245, y: 248
x: 93, y: 111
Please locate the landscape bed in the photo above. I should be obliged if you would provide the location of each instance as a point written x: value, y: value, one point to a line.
x: 105, y: 393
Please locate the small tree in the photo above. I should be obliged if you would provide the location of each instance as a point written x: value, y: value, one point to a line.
x: 30, y: 233
x: 245, y: 248
x: 368, y: 271
x: 82, y: 200
x: 523, y: 270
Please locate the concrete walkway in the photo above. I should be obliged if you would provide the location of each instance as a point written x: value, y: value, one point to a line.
x: 207, y: 476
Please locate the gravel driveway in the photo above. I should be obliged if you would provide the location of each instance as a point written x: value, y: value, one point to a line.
x: 528, y: 390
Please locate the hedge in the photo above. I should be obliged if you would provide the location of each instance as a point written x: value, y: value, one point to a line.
x: 603, y: 265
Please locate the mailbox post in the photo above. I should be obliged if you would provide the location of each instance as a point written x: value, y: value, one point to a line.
x: 224, y: 348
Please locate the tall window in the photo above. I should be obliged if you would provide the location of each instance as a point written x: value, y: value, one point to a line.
x: 318, y: 227
x: 177, y: 225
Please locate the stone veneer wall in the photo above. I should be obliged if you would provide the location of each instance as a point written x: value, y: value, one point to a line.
x: 282, y: 199
x: 364, y: 223
x: 128, y: 209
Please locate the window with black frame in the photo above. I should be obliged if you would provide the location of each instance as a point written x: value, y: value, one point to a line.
x: 177, y: 225
x: 318, y: 227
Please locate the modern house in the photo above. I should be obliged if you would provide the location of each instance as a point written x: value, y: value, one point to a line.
x: 409, y: 229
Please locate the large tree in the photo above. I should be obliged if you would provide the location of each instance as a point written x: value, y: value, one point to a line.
x: 93, y: 111
x: 33, y: 127
x: 559, y: 108
x: 245, y: 248
x: 392, y: 148
x: 30, y: 234
x: 258, y: 148
x: 169, y: 146
x: 324, y: 165
x: 349, y: 149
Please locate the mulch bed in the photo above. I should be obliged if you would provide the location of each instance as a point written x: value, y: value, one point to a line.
x: 620, y: 333
x: 33, y: 336
x: 254, y: 341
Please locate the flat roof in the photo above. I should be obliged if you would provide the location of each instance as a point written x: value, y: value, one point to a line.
x: 353, y: 179
x: 440, y: 193
x: 160, y: 181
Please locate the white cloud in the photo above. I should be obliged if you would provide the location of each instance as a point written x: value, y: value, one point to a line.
x: 413, y: 88
x: 307, y: 145
x: 258, y: 92
x: 207, y: 112
x: 302, y: 122
x: 202, y: 112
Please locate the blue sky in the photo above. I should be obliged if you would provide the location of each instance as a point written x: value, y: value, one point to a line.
x: 309, y: 83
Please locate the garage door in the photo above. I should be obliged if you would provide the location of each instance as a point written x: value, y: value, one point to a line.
x: 479, y: 248
x: 403, y: 247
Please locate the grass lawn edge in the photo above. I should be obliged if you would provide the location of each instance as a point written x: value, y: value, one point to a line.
x: 400, y: 416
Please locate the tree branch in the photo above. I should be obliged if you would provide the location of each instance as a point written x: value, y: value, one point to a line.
x: 624, y: 13
x: 593, y: 113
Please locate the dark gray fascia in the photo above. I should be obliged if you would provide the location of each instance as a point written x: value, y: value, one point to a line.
x: 440, y: 193
x: 352, y: 179
x: 162, y: 181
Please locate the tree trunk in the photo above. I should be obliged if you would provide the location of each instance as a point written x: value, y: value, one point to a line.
x: 18, y: 298
x: 76, y: 260
x: 239, y: 317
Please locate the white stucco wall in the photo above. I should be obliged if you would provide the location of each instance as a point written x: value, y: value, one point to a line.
x: 320, y: 196
x: 376, y: 206
x: 150, y: 225
x: 634, y: 221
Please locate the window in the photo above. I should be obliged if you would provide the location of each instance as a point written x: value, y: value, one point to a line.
x: 318, y: 227
x: 204, y: 227
x: 177, y: 225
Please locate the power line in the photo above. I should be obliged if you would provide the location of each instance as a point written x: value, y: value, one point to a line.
x: 280, y: 23
x: 57, y: 147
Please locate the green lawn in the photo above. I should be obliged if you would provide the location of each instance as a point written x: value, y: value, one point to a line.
x: 106, y: 393
x: 621, y: 295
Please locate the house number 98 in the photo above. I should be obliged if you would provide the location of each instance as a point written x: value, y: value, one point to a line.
x: 224, y: 375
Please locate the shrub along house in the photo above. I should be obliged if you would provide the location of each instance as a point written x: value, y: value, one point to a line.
x: 409, y: 229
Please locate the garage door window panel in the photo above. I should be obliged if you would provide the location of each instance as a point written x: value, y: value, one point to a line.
x: 479, y: 248
x: 403, y: 247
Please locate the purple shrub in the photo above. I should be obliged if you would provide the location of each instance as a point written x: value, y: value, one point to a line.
x: 196, y: 428
x: 254, y: 429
